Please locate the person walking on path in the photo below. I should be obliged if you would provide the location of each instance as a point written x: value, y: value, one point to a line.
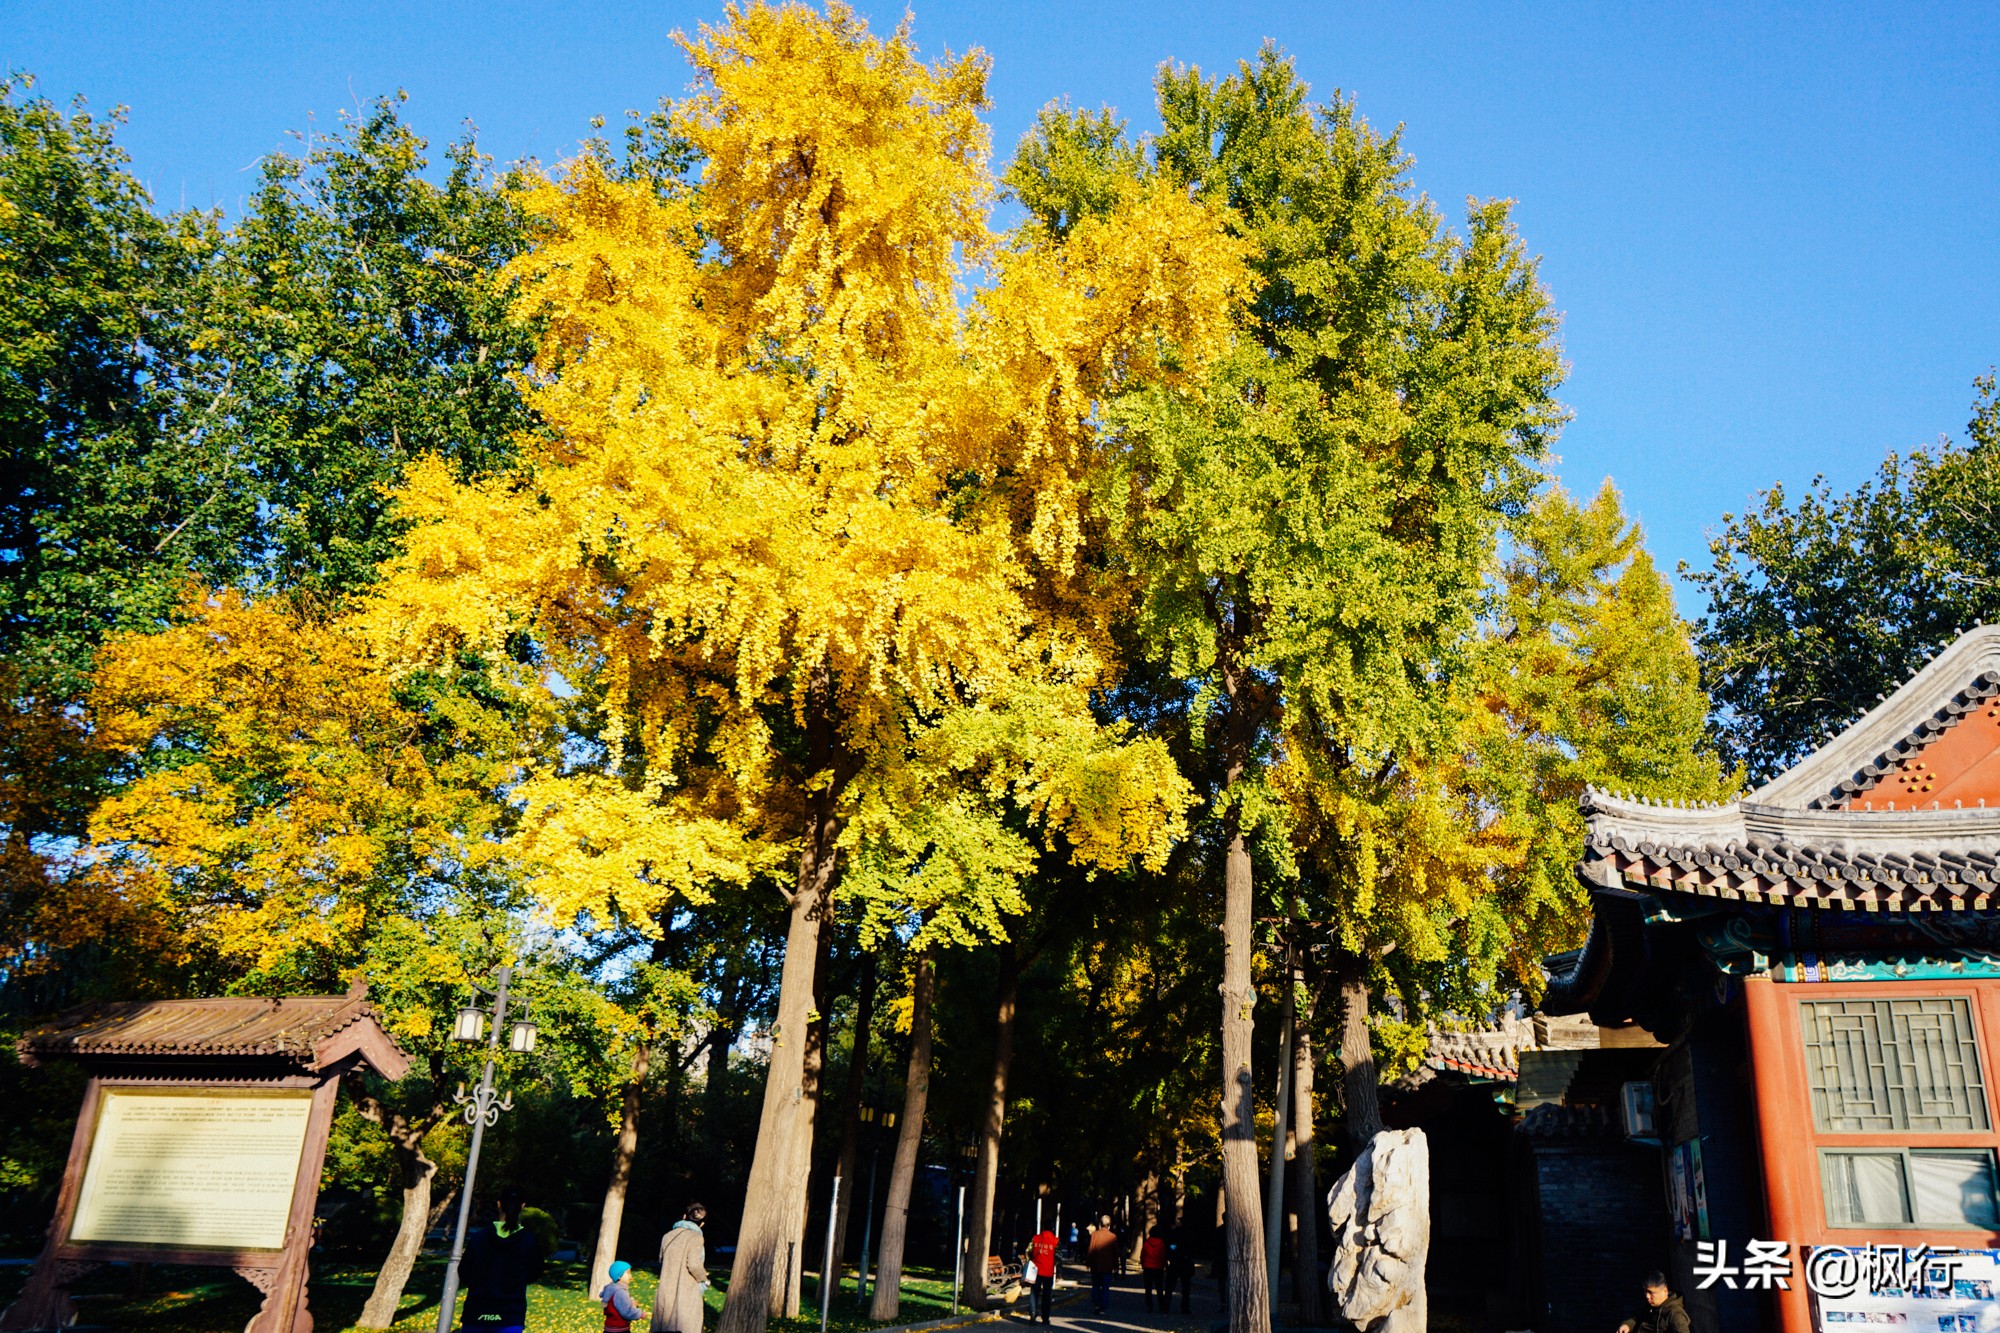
x: 1663, y: 1313
x: 501, y: 1259
x: 1042, y: 1254
x: 619, y: 1307
x: 677, y: 1304
x: 1180, y: 1269
x: 1103, y: 1256
x: 1153, y: 1268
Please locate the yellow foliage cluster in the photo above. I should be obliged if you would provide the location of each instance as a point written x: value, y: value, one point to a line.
x: 282, y: 802
x: 818, y: 444
x: 1467, y: 850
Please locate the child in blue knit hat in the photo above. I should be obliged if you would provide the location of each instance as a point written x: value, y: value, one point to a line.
x: 619, y: 1308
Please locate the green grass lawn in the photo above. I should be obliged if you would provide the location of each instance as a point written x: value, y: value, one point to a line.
x: 204, y: 1300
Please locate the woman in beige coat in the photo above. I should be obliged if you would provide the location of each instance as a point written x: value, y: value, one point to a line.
x: 683, y: 1275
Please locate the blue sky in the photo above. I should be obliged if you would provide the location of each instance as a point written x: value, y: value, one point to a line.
x: 1774, y: 231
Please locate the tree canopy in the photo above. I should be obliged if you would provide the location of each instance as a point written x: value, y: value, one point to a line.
x: 823, y: 637
x: 1817, y: 606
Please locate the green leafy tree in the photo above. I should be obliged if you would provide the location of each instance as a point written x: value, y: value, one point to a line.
x: 179, y: 400
x: 1817, y: 606
x: 108, y: 499
x: 182, y: 404
x: 360, y: 324
x: 1308, y: 537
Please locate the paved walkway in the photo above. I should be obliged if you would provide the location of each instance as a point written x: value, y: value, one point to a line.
x: 1128, y: 1313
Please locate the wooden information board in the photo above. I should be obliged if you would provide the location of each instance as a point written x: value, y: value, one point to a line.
x: 200, y: 1141
x: 191, y: 1169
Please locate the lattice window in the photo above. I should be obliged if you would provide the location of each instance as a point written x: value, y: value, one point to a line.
x: 1887, y: 1066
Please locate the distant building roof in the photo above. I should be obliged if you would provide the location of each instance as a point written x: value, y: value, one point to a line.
x: 1899, y: 812
x: 1493, y: 1050
x: 312, y: 1031
x: 1553, y: 1120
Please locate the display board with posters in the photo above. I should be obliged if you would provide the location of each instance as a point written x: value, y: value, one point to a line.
x: 1687, y: 1188
x: 1916, y: 1291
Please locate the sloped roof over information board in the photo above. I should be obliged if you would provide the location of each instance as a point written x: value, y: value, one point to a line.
x: 311, y: 1031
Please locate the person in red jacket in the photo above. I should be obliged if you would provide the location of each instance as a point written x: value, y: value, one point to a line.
x: 1042, y: 1249
x: 1153, y: 1265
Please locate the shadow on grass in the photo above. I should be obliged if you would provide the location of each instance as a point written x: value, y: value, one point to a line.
x: 174, y: 1299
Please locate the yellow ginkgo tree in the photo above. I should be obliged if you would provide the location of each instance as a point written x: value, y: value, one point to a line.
x: 805, y: 541
x: 288, y: 814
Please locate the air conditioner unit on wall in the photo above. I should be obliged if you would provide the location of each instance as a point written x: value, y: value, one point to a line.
x: 1635, y: 1101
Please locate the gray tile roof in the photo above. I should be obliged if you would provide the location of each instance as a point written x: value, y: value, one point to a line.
x: 1493, y: 1049
x: 1896, y: 878
x: 1797, y: 841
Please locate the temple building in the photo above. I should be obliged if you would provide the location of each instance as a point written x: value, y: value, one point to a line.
x: 1815, y: 969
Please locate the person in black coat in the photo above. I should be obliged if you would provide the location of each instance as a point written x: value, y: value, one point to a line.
x: 1180, y: 1266
x: 1664, y: 1312
x: 501, y: 1259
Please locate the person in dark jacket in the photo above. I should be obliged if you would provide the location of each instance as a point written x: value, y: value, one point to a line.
x: 1663, y: 1313
x: 1180, y: 1266
x: 501, y: 1259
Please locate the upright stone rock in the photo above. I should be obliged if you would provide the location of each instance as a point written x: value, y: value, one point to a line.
x: 1381, y: 1213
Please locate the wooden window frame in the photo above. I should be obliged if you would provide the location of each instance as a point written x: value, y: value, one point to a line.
x: 1805, y: 1146
x: 1905, y: 1152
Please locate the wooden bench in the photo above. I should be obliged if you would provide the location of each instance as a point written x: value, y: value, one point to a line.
x: 1000, y: 1273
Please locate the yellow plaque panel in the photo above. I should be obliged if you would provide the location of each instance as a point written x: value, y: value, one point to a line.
x: 192, y: 1169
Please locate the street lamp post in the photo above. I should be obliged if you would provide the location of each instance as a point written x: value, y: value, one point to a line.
x: 869, y: 1116
x: 482, y: 1108
x: 958, y: 1274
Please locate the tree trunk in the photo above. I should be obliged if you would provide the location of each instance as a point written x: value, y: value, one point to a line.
x: 715, y: 1082
x: 850, y: 1110
x: 1249, y: 1303
x: 418, y: 1171
x: 1307, y: 1287
x: 986, y: 1172
x: 1363, y: 1120
x: 1246, y: 702
x: 1249, y: 1296
x: 1281, y: 1112
x: 1180, y: 1182
x: 612, y: 1219
x: 1144, y: 1214
x: 769, y: 1215
x: 910, y: 1132
x: 785, y: 1286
